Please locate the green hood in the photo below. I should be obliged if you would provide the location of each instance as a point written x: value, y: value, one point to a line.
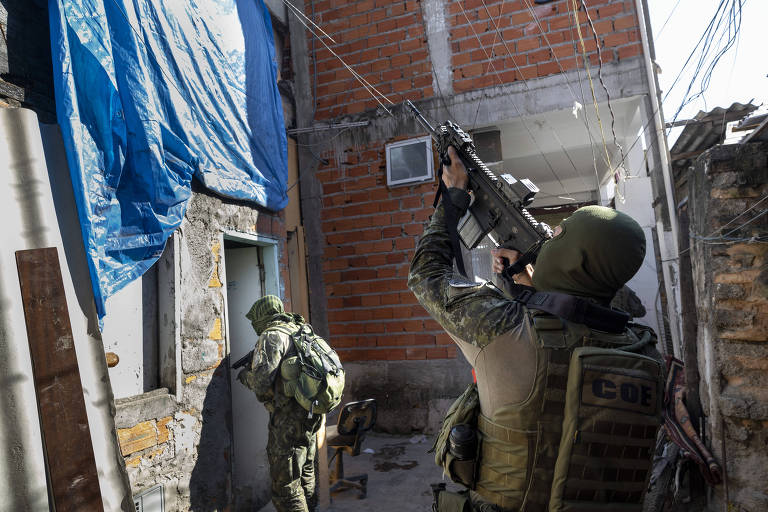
x: 598, y: 250
x: 268, y: 310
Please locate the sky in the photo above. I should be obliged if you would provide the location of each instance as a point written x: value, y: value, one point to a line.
x: 741, y: 73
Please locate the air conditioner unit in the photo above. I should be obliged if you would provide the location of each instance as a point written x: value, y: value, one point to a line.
x: 150, y: 500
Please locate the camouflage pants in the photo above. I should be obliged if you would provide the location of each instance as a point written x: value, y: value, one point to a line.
x: 291, y: 450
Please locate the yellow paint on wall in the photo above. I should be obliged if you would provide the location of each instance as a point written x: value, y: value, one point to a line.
x: 215, y: 282
x: 133, y: 462
x: 137, y: 438
x: 163, y: 433
x: 190, y: 379
x: 215, y: 333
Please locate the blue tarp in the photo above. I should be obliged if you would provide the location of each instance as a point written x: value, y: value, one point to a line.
x: 151, y: 93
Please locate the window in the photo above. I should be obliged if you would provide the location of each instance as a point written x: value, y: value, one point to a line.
x: 409, y: 161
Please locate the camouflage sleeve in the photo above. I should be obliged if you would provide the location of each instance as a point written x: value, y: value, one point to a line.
x: 267, y: 356
x: 472, y: 312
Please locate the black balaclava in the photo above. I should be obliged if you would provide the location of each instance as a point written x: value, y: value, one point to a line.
x: 598, y: 250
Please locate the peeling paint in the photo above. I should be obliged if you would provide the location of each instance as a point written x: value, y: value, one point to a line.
x: 216, y: 333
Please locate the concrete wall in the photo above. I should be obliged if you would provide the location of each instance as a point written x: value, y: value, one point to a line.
x: 38, y: 205
x: 362, y: 241
x: 730, y: 278
x: 183, y: 441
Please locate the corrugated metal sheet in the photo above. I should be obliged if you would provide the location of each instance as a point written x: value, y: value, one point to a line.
x: 705, y: 130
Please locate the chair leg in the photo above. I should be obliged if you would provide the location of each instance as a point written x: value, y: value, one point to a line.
x: 339, y: 482
x: 339, y: 468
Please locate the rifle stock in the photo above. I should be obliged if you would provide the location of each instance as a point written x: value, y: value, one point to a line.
x: 498, y: 202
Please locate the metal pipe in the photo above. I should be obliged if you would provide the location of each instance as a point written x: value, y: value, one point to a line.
x: 669, y: 254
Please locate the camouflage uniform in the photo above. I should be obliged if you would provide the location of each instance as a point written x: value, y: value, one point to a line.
x: 292, y: 442
x: 497, y: 336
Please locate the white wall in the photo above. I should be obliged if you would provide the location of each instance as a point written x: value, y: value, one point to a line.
x: 37, y: 208
x: 122, y: 335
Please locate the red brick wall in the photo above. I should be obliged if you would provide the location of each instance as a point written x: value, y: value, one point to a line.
x: 370, y: 229
x: 384, y: 41
x: 370, y: 233
x: 538, y: 48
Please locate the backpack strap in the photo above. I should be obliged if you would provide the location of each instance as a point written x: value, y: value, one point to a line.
x: 573, y: 309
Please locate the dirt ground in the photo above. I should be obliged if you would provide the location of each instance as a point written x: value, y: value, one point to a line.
x: 399, y: 473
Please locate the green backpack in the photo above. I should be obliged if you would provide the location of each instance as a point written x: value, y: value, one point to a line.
x: 313, y: 376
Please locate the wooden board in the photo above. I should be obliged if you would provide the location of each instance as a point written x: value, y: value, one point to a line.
x: 73, y: 478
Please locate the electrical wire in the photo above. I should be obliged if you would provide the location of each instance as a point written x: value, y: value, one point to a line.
x: 667, y: 20
x: 739, y: 216
x: 568, y: 83
x: 525, y: 82
x: 514, y: 105
x: 704, y: 37
x: 732, y: 30
x: 589, y: 76
x: 600, y: 78
x: 375, y: 93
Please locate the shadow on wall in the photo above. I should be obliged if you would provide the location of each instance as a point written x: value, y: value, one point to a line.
x: 28, y: 49
x: 210, y: 483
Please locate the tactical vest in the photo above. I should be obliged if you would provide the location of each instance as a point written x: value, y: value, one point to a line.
x: 583, y: 439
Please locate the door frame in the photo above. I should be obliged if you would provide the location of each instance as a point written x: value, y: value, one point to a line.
x: 272, y: 286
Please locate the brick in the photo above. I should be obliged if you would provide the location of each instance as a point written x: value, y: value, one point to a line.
x: 725, y: 291
x: 405, y: 243
x: 547, y: 68
x: 394, y: 354
x: 137, y: 438
x: 612, y: 9
x: 725, y: 318
x: 163, y: 433
x: 618, y: 39
x: 437, y: 353
x: 527, y: 44
x: 415, y: 353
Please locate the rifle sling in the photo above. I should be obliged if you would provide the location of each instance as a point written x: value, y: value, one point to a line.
x: 572, y: 309
x: 451, y: 221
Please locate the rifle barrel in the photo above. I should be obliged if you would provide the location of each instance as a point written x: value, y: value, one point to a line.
x: 421, y: 119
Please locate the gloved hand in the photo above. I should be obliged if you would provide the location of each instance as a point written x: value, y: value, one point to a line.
x: 246, y: 377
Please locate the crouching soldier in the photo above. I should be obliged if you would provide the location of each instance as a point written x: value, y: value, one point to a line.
x: 298, y: 378
x: 567, y: 403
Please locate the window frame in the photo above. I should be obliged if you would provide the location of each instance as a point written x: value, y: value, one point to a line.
x: 430, y: 161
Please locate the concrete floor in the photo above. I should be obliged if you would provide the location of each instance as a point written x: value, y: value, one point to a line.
x: 399, y: 473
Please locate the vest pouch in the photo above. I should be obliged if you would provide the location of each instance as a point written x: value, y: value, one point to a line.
x: 462, y: 454
x: 461, y: 471
x: 463, y: 411
x: 453, y: 502
x: 290, y: 369
x: 612, y: 413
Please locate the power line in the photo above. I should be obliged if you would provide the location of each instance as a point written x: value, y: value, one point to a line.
x: 519, y: 113
x: 525, y: 82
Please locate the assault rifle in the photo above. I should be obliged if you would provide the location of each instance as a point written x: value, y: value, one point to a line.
x: 242, y: 361
x: 498, y: 203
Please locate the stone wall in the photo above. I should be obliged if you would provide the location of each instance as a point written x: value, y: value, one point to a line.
x: 186, y: 444
x: 727, y: 192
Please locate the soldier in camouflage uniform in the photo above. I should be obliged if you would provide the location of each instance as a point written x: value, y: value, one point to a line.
x: 292, y: 443
x: 498, y: 336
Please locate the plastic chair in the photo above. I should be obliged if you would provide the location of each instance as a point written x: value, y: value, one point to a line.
x: 355, y: 419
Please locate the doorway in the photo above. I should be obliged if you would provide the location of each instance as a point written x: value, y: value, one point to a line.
x: 250, y: 272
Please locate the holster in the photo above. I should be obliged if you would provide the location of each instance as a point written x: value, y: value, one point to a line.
x: 448, y: 501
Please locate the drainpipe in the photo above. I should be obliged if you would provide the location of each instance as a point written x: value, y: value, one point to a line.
x: 668, y: 246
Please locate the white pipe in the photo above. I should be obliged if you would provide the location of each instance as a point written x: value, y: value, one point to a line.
x: 669, y: 251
